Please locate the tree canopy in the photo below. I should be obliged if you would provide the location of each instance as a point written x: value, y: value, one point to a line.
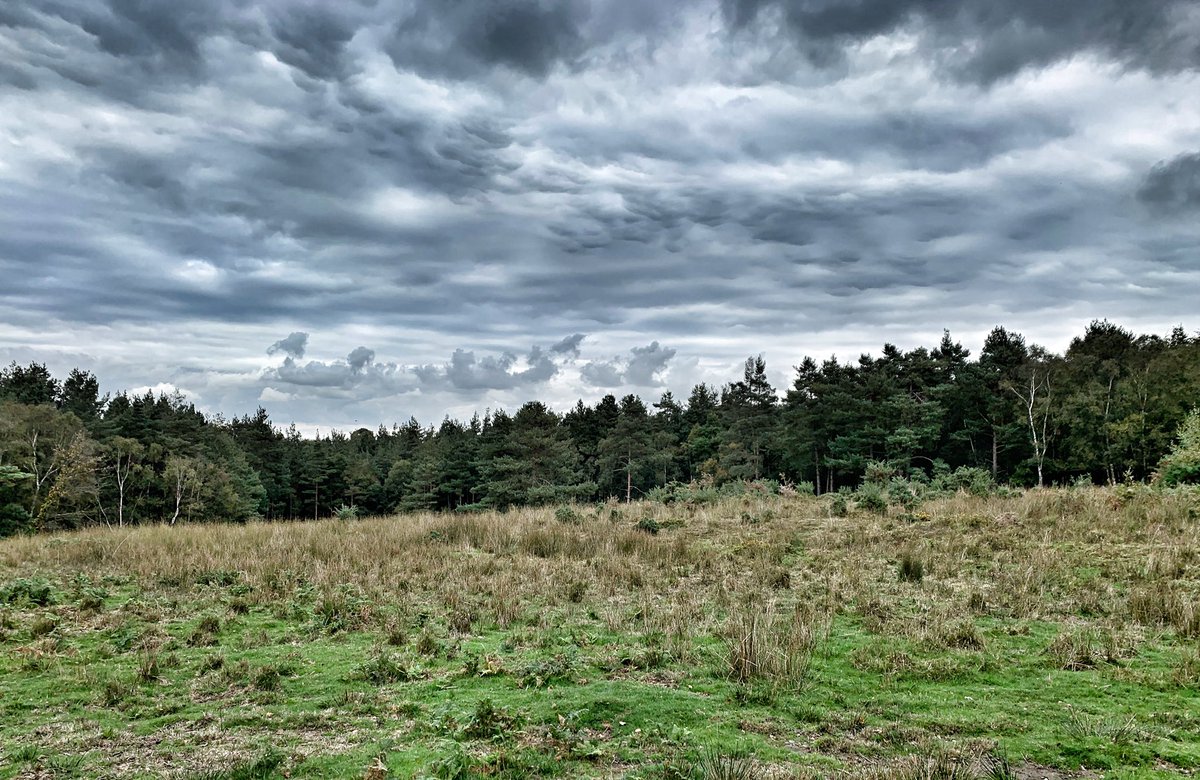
x: 1113, y: 406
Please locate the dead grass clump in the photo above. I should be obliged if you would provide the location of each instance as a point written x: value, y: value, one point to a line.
x: 1087, y: 648
x: 1164, y: 605
x: 763, y: 645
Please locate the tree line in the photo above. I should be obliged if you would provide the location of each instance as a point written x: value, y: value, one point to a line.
x: 1106, y: 409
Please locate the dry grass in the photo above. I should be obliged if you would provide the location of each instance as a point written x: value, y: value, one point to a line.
x: 753, y: 601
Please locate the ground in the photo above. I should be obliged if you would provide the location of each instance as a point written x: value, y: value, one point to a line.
x: 1047, y: 634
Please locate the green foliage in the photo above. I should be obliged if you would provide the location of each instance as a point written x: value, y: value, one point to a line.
x: 976, y: 481
x: 648, y: 525
x: 1182, y: 464
x: 908, y: 426
x: 489, y: 721
x: 567, y: 515
x: 28, y: 591
x: 872, y: 498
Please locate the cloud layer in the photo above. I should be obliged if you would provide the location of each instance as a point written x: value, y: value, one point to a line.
x: 686, y: 182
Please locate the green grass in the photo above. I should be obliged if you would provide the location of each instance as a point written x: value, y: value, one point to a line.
x: 611, y: 665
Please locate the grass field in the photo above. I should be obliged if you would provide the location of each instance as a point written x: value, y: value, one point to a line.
x: 1045, y: 635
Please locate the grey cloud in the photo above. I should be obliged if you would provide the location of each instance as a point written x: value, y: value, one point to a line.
x: 457, y: 39
x: 568, y: 346
x: 465, y: 372
x: 357, y: 377
x: 642, y: 368
x: 360, y: 358
x: 313, y: 37
x: 468, y: 373
x: 985, y: 41
x: 293, y: 345
x: 647, y: 363
x: 1173, y: 185
x: 602, y: 373
x: 527, y: 37
x: 417, y: 167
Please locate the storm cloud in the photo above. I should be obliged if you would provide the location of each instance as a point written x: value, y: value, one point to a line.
x: 1173, y: 185
x: 449, y: 183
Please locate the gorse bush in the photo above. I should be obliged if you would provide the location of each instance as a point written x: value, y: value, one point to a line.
x: 872, y: 498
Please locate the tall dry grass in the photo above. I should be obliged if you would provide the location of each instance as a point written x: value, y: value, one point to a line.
x: 1103, y: 554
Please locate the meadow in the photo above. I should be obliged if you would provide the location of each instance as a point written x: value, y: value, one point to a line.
x: 1042, y: 634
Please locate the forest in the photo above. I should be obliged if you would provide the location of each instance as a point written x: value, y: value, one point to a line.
x: 1107, y: 410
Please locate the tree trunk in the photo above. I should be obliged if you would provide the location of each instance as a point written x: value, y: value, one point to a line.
x: 628, y: 476
x: 995, y: 455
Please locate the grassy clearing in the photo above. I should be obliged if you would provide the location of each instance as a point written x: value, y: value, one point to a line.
x: 1051, y: 634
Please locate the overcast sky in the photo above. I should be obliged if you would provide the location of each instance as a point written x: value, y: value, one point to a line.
x: 352, y: 212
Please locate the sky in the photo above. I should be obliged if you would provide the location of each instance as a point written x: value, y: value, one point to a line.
x: 354, y: 212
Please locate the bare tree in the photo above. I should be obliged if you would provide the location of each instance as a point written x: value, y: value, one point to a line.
x: 1036, y: 400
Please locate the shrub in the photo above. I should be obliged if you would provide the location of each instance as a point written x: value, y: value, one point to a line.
x: 205, y: 633
x: 907, y: 493
x: 565, y: 514
x: 648, y: 525
x: 715, y: 765
x: 344, y: 512
x: 1182, y: 464
x: 870, y: 497
x: 879, y: 473
x: 42, y: 626
x: 1084, y: 648
x: 976, y: 481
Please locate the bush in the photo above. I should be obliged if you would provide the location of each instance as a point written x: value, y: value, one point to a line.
x: 871, y: 498
x: 967, y: 479
x: 648, y: 525
x: 1181, y: 466
x: 567, y: 515
x: 344, y: 512
x: 489, y: 721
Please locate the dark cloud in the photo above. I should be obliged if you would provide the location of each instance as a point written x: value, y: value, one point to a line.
x: 293, y: 345
x: 525, y: 37
x: 642, y: 368
x: 985, y: 41
x: 568, y: 346
x: 459, y: 38
x: 421, y: 175
x: 1174, y: 185
x: 360, y: 358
